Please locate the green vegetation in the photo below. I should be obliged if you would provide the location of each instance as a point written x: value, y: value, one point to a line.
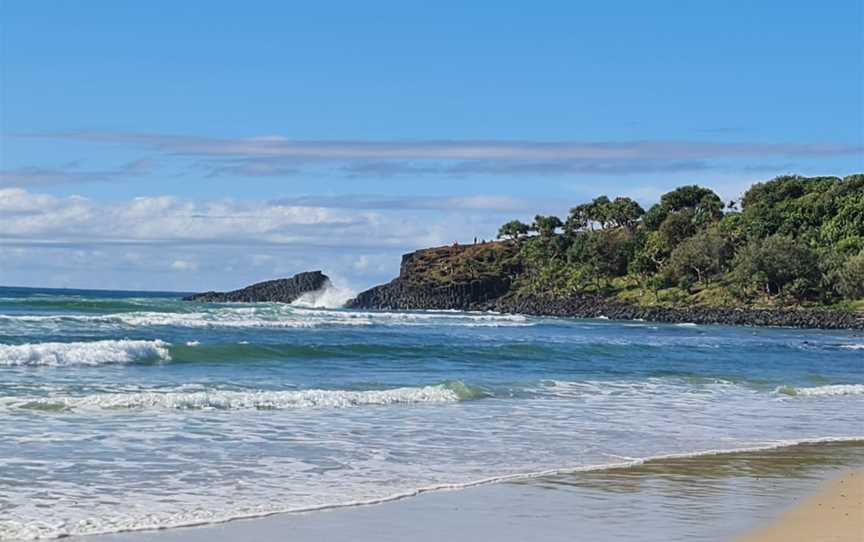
x: 795, y: 241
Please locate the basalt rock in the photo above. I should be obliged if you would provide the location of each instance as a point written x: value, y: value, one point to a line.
x: 590, y: 306
x: 273, y: 291
x: 436, y: 279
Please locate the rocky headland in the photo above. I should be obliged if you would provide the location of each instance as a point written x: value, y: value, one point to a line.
x: 461, y: 277
x: 273, y: 291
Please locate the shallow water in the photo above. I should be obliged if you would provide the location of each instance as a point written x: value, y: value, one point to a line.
x: 707, y: 498
x: 125, y: 411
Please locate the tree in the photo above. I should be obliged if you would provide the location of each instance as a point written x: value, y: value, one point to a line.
x: 577, y: 220
x: 655, y: 216
x: 599, y: 210
x: 513, y: 229
x: 851, y: 278
x: 777, y: 265
x: 699, y: 258
x: 676, y: 228
x: 546, y: 225
x: 605, y: 253
x: 691, y: 197
x: 625, y: 212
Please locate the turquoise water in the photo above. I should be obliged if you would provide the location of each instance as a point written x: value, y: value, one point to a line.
x: 125, y: 411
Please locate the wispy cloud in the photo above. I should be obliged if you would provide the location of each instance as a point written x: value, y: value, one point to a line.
x: 490, y: 203
x: 71, y: 173
x: 275, y: 156
x: 451, y: 149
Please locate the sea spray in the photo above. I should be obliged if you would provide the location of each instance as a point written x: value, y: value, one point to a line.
x: 329, y: 297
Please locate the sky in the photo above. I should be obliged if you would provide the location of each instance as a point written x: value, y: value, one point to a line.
x: 200, y: 145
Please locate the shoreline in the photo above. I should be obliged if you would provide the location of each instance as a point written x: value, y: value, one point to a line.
x: 703, y: 498
x: 401, y: 294
x: 593, y: 307
x: 834, y: 513
x: 624, y: 468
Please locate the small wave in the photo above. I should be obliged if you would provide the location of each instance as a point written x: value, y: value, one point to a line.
x: 834, y: 389
x: 275, y: 316
x: 180, y: 399
x: 852, y: 346
x: 201, y: 517
x: 83, y: 353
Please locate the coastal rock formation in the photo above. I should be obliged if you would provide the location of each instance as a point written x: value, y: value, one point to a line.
x: 275, y: 291
x: 588, y: 306
x: 439, y: 278
x: 480, y: 277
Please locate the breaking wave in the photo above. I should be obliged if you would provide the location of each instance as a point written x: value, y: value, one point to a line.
x: 59, y: 354
x: 329, y: 297
x: 215, y: 399
x: 834, y: 389
x: 311, y: 314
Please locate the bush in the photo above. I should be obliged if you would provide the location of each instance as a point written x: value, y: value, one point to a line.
x: 851, y: 278
x: 699, y: 259
x: 777, y: 265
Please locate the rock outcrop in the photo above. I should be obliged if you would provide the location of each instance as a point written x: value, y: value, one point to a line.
x: 588, y: 306
x: 480, y: 277
x: 441, y: 278
x: 273, y: 291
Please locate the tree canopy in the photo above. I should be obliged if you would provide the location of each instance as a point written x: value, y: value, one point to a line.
x: 794, y: 239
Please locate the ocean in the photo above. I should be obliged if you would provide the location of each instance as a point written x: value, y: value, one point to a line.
x: 128, y: 411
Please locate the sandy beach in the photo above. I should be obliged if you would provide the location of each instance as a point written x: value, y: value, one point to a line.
x: 836, y: 513
x: 708, y: 499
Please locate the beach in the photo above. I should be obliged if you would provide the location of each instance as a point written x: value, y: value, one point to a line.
x: 835, y: 513
x: 710, y: 498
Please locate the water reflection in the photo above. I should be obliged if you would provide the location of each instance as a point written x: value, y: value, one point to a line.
x: 700, y: 498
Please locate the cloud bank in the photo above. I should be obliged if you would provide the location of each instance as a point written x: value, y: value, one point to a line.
x: 276, y: 156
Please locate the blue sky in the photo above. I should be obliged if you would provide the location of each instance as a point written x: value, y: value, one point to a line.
x: 199, y: 145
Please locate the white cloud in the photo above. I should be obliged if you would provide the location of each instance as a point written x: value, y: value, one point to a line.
x: 184, y: 265
x: 146, y: 242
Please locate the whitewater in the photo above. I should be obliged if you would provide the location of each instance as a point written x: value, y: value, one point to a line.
x: 130, y: 411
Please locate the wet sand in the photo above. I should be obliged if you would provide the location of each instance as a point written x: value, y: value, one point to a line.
x: 708, y: 498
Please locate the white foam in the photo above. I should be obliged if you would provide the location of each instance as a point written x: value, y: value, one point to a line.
x: 834, y: 389
x: 330, y: 297
x: 279, y: 316
x: 853, y: 346
x: 199, y: 517
x: 82, y: 353
x: 178, y: 399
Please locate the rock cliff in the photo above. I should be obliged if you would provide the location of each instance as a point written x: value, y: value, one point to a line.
x: 481, y: 277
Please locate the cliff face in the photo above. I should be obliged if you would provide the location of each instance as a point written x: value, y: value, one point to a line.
x: 479, y: 277
x: 275, y: 291
x: 461, y: 277
x: 402, y: 295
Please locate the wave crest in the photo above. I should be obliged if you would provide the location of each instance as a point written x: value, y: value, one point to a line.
x: 58, y: 354
x: 834, y: 389
x: 184, y: 399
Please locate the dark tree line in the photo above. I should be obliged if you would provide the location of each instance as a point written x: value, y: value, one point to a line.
x: 793, y: 238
